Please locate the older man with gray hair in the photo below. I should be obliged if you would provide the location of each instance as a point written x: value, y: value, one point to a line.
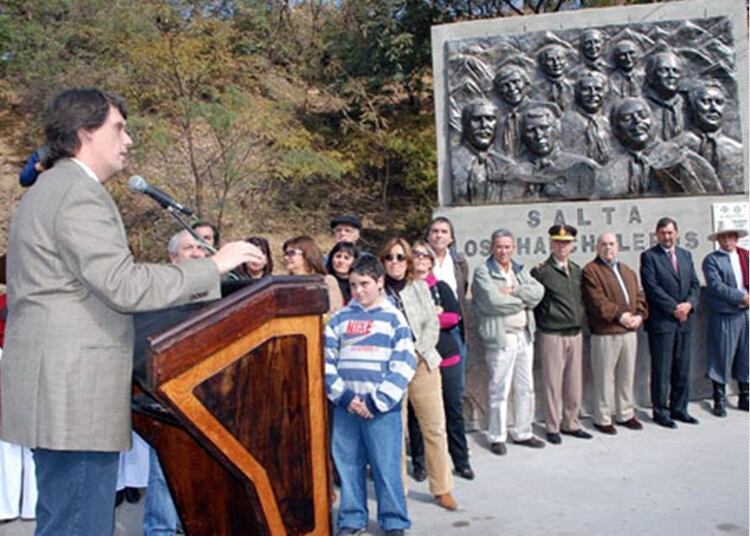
x: 183, y: 246
x: 615, y: 308
x: 505, y: 295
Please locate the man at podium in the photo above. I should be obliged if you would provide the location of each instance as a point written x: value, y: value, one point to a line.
x: 73, y: 285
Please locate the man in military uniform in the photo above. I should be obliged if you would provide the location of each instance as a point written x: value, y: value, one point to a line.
x: 559, y: 318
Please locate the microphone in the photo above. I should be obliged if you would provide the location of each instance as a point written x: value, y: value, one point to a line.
x: 140, y: 185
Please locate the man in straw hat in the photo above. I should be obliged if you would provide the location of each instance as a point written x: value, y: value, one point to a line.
x: 726, y: 273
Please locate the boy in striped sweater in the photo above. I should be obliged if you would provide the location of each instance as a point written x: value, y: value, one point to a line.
x: 369, y: 361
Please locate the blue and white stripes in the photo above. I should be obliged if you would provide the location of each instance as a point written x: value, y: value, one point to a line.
x: 369, y: 353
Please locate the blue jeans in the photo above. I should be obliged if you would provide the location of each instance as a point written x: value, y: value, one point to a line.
x: 159, y: 513
x: 377, y: 441
x: 76, y: 492
x: 459, y: 338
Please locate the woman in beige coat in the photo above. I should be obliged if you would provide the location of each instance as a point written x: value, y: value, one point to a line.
x: 413, y: 298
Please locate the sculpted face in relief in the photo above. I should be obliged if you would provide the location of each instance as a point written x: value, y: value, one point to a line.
x: 643, y: 109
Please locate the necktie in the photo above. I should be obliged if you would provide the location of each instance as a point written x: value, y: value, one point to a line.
x: 510, y: 134
x: 671, y: 119
x: 673, y: 259
x: 639, y: 173
x: 597, y: 147
x: 708, y: 150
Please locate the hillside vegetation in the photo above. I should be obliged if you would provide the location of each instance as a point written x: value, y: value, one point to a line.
x: 265, y: 116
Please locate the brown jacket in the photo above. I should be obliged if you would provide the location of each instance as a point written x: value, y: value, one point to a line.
x: 603, y: 298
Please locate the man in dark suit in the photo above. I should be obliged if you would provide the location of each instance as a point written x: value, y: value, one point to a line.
x: 671, y: 287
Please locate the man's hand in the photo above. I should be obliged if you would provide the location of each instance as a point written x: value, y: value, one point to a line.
x: 234, y: 254
x: 682, y: 311
x: 626, y: 320
x: 359, y: 408
x: 507, y: 290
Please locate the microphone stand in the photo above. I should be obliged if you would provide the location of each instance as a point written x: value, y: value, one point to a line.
x: 202, y: 243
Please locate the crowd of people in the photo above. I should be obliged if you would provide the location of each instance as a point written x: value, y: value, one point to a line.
x: 394, y: 343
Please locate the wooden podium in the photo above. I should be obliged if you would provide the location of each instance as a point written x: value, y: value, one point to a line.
x: 243, y: 440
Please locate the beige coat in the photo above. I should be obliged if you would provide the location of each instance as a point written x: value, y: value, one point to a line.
x: 72, y: 284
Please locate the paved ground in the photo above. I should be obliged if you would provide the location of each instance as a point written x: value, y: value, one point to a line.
x: 687, y: 482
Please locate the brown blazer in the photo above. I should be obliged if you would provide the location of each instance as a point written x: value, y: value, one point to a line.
x: 72, y: 286
x: 603, y: 299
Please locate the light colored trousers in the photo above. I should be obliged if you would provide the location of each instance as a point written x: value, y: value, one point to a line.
x: 426, y: 396
x: 511, y: 366
x: 17, y: 482
x: 562, y: 375
x: 132, y: 471
x: 613, y: 374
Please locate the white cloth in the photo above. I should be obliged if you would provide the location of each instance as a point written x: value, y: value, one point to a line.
x: 17, y: 480
x: 446, y: 271
x: 18, y: 491
x: 511, y: 365
x: 734, y: 260
x: 133, y: 469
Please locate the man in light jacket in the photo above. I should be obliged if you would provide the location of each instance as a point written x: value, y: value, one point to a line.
x: 505, y: 295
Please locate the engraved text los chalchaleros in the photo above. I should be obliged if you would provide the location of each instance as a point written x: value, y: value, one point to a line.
x: 647, y: 109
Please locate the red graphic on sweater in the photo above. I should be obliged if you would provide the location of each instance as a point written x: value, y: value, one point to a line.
x: 359, y: 327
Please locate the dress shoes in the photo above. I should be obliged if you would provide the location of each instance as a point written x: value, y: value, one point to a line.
x: 554, y: 438
x: 606, y: 429
x: 395, y: 532
x: 531, y: 442
x: 684, y: 417
x: 632, y: 424
x: 664, y: 421
x: 499, y: 448
x: 465, y: 472
x: 580, y: 433
x: 419, y: 473
x: 446, y: 501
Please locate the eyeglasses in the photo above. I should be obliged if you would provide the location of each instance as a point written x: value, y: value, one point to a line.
x: 398, y: 257
x: 291, y: 252
x: 421, y: 254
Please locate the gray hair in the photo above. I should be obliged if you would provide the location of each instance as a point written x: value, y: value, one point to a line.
x: 173, y: 246
x: 501, y: 233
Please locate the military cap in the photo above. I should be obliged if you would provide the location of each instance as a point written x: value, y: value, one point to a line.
x: 563, y: 232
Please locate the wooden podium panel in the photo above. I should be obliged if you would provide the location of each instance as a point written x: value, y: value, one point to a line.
x: 246, y: 449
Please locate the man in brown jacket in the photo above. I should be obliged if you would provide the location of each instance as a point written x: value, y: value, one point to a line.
x: 615, y: 308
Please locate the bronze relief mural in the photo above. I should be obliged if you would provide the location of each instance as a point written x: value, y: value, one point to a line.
x: 617, y: 111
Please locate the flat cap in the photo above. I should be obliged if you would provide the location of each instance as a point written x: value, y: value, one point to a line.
x: 346, y: 219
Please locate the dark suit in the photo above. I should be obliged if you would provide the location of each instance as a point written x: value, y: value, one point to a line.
x: 668, y: 338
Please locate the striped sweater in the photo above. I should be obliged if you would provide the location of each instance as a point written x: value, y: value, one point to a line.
x: 368, y: 353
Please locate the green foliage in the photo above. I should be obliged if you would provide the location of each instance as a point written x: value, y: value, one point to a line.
x: 265, y: 115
